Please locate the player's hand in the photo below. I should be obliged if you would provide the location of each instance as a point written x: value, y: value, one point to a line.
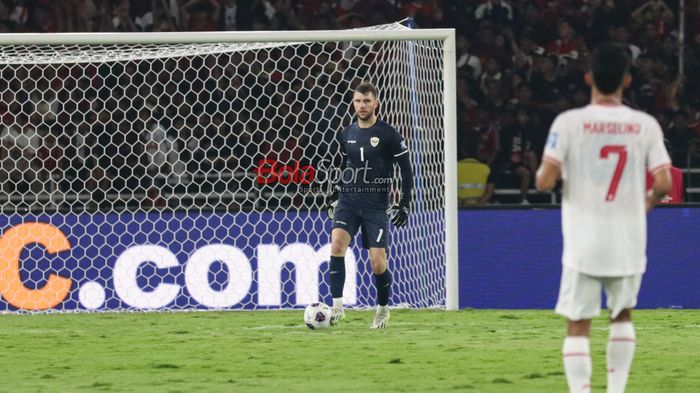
x: 400, y: 217
x: 650, y: 201
x: 331, y: 203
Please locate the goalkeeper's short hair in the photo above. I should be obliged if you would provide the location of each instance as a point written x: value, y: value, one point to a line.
x: 366, y: 87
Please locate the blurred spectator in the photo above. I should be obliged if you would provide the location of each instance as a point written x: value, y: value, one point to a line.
x: 231, y: 13
x: 492, y: 74
x: 494, y: 96
x: 523, y: 95
x: 246, y: 148
x: 475, y: 181
x: 567, y: 45
x: 547, y: 88
x: 200, y: 15
x: 284, y: 17
x: 520, y: 159
x: 656, y: 12
x: 487, y: 133
x: 466, y: 61
x: 19, y: 15
x: 13, y: 164
x: 496, y: 11
x: 623, y: 36
x: 42, y: 20
x: 121, y: 19
x: 524, y: 51
x: 142, y: 14
x: 422, y: 11
x: 162, y: 164
x: 48, y: 156
x: 22, y: 142
x: 162, y: 152
x: 679, y: 133
x: 604, y: 16
x: 466, y: 104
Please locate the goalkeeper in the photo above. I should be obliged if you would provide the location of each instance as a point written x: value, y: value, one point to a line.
x: 369, y: 148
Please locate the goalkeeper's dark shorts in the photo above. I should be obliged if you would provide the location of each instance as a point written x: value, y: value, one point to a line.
x: 374, y: 224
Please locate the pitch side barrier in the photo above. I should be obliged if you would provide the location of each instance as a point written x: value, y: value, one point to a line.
x: 183, y: 261
x: 510, y: 257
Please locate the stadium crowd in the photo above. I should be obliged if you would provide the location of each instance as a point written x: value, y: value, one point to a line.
x: 519, y: 64
x: 523, y: 63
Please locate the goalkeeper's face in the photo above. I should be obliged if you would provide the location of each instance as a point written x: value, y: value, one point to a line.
x: 365, y: 105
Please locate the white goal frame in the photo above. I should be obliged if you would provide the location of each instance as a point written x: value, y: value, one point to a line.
x: 447, y: 36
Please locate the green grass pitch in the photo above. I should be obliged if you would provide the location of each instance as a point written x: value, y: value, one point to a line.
x: 272, y: 351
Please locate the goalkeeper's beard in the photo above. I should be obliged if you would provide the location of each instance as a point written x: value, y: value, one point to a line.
x: 366, y: 117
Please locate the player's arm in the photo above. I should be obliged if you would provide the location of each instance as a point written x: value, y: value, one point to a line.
x: 332, y: 199
x: 659, y: 164
x: 554, y: 155
x: 406, y: 179
x: 661, y: 186
x: 547, y: 175
x: 401, y: 157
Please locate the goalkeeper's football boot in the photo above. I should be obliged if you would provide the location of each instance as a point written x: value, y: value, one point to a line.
x: 380, y: 318
x: 337, y: 315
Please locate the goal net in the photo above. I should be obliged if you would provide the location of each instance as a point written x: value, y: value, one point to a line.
x: 179, y: 176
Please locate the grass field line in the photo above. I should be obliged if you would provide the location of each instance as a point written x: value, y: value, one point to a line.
x: 275, y: 327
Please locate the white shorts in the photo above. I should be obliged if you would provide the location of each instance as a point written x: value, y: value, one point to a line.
x: 580, y: 294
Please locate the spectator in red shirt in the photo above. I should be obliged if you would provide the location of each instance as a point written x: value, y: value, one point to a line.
x: 568, y: 45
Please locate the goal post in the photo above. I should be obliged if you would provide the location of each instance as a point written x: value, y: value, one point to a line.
x: 136, y: 167
x: 451, y: 211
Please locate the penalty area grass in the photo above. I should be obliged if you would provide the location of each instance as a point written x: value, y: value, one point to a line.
x: 273, y: 351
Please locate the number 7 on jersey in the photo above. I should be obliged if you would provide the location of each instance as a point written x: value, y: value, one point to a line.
x: 621, y: 151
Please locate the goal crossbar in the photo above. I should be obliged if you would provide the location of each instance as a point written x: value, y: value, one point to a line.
x: 224, y: 37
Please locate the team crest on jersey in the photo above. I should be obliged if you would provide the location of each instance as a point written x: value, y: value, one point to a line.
x: 374, y: 141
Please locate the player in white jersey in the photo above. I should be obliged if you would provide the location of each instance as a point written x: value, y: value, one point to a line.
x: 601, y: 153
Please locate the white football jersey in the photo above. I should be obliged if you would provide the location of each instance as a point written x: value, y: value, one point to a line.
x: 603, y: 153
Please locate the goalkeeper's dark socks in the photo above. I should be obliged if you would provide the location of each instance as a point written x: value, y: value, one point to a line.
x: 383, y: 283
x: 337, y: 269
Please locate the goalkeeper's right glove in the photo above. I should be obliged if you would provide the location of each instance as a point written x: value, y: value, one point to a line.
x: 331, y: 203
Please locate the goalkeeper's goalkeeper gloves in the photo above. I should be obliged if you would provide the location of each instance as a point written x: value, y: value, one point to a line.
x: 331, y: 203
x: 400, y: 218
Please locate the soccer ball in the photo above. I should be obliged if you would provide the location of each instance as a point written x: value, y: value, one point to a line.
x: 317, y: 316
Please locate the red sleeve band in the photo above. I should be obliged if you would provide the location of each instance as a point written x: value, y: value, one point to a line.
x: 660, y: 167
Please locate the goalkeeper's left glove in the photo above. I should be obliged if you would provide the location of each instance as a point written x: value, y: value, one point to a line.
x: 400, y: 218
x: 331, y: 203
